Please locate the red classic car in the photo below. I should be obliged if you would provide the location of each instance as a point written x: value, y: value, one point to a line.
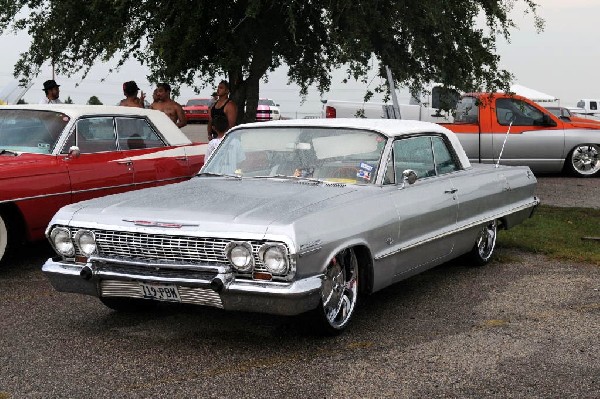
x: 53, y: 155
x: 197, y: 109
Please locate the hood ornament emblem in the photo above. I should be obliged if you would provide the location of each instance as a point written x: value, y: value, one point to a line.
x: 150, y: 223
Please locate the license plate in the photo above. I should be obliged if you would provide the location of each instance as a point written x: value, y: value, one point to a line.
x: 160, y: 292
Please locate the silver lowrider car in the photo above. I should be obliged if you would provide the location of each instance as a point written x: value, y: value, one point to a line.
x: 292, y: 216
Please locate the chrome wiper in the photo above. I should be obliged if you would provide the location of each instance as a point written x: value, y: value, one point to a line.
x: 8, y: 152
x: 239, y: 177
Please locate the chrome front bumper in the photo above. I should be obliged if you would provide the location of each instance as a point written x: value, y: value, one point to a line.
x: 217, y: 287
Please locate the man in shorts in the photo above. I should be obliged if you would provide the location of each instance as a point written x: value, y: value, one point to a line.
x: 164, y: 103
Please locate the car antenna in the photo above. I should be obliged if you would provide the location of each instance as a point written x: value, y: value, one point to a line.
x: 505, y: 138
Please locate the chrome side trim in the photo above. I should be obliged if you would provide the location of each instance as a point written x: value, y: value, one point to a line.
x: 467, y: 226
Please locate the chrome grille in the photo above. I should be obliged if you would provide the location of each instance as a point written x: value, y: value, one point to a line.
x: 166, y: 249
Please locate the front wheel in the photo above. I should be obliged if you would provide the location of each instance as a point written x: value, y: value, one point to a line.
x: 584, y: 160
x: 485, y: 244
x: 339, y: 293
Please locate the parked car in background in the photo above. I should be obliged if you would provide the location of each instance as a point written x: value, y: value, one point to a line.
x: 292, y: 216
x: 572, y: 114
x: 267, y: 110
x: 197, y: 109
x: 55, y: 155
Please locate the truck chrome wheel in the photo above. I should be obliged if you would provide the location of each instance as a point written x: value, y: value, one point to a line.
x: 339, y: 292
x: 585, y: 160
x: 485, y: 244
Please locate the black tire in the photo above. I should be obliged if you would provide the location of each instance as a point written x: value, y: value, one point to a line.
x: 484, y: 244
x: 584, y: 160
x: 128, y: 305
x: 339, y: 294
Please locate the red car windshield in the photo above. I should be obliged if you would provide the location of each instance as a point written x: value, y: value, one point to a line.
x: 26, y: 130
x: 198, y: 101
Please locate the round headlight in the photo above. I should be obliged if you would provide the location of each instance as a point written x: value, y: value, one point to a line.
x: 61, y: 240
x: 240, y: 255
x: 274, y: 258
x: 86, y: 241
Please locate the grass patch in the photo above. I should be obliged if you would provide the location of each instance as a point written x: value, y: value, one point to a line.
x: 557, y: 233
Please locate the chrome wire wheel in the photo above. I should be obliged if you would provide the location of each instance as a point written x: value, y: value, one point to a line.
x: 485, y: 243
x: 339, y: 291
x: 585, y: 160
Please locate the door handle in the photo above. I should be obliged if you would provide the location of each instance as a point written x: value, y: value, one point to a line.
x: 125, y: 162
x: 451, y: 191
x: 184, y: 158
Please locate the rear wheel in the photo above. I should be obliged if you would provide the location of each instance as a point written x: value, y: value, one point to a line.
x: 584, y: 160
x: 128, y: 305
x: 339, y: 293
x: 3, y: 237
x: 485, y: 244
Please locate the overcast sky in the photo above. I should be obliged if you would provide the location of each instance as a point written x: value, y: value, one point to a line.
x: 562, y: 61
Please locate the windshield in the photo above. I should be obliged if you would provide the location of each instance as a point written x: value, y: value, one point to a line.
x: 30, y: 130
x: 330, y: 154
x: 264, y: 101
x: 198, y: 101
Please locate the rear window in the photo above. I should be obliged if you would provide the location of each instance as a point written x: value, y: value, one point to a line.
x: 198, y: 101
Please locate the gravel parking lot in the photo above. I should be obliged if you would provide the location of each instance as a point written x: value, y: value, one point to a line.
x: 524, y: 326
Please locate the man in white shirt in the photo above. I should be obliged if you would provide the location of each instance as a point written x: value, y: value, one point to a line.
x: 52, y: 92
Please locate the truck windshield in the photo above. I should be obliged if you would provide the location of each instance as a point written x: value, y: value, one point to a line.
x: 467, y: 110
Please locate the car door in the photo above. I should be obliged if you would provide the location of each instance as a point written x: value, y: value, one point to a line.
x: 427, y: 210
x: 100, y: 169
x: 154, y: 162
x: 530, y: 142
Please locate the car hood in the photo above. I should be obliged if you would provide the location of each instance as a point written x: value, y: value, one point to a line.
x: 207, y: 204
x: 585, y: 124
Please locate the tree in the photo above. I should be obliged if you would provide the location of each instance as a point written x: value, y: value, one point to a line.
x: 21, y: 101
x: 94, y: 101
x: 186, y: 42
x: 69, y: 100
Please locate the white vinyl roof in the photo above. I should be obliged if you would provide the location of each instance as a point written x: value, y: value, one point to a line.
x: 165, y: 125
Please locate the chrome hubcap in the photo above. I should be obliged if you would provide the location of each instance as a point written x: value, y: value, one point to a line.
x: 340, y: 289
x: 586, y: 159
x: 487, y: 240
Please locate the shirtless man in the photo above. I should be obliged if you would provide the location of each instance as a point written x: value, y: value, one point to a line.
x: 164, y: 103
x: 130, y: 90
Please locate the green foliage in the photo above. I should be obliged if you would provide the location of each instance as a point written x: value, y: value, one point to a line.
x: 21, y: 101
x: 197, y: 42
x: 562, y: 233
x: 93, y: 101
x: 69, y: 100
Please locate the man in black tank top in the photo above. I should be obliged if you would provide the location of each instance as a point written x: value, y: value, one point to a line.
x: 223, y: 106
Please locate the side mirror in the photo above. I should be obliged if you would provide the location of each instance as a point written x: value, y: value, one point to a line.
x: 408, y: 176
x: 74, y: 152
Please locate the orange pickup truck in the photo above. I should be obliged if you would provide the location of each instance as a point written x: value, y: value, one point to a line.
x: 525, y: 133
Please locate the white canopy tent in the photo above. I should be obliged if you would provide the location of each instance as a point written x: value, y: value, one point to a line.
x: 532, y: 94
